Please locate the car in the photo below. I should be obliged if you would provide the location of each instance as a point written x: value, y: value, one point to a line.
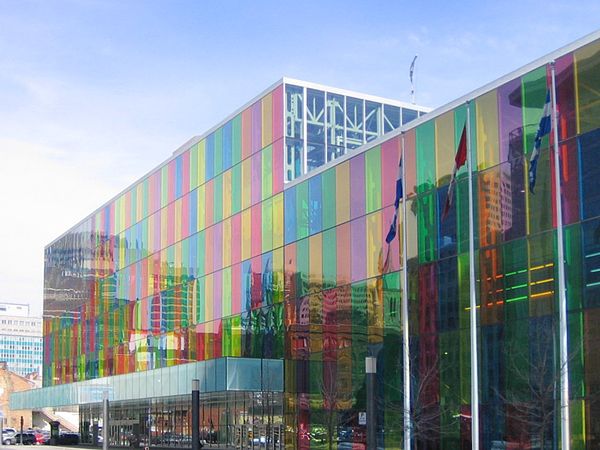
x: 68, y: 438
x: 8, y: 437
x: 27, y: 438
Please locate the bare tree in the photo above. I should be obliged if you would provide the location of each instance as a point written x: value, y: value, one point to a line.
x: 428, y: 416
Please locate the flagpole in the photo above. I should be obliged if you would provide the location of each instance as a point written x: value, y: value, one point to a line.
x: 562, y: 297
x: 405, y: 334
x: 472, y: 299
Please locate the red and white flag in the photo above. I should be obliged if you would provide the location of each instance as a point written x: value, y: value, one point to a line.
x: 459, y: 160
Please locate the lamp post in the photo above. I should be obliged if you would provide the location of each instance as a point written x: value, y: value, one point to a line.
x: 195, y: 414
x: 371, y: 373
x: 105, y: 423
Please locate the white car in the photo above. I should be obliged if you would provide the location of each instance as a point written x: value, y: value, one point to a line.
x: 8, y: 436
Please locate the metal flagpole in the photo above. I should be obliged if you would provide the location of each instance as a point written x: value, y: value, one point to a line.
x: 562, y: 296
x: 405, y: 334
x: 472, y: 300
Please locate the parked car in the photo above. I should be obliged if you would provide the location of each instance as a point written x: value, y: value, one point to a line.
x: 28, y: 438
x: 68, y: 438
x: 42, y: 437
x: 8, y: 436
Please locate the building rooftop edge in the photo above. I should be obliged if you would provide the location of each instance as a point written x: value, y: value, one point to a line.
x: 587, y: 39
x: 432, y: 113
x: 195, y: 139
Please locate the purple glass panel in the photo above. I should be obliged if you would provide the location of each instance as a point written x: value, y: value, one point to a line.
x: 510, y: 128
x: 357, y: 187
x: 358, y: 257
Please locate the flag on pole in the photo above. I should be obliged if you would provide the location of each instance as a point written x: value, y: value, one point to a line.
x: 543, y: 129
x: 411, y: 75
x: 412, y: 69
x: 459, y: 160
x: 392, y: 232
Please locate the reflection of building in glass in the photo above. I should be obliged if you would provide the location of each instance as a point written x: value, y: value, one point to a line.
x: 254, y: 260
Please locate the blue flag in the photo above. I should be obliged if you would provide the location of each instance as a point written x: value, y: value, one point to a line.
x: 392, y: 233
x: 543, y: 130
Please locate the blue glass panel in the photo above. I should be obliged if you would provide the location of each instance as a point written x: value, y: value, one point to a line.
x: 209, y: 158
x: 589, y: 152
x: 315, y: 203
x: 290, y: 214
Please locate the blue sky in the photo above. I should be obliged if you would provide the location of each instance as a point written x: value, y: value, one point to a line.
x: 94, y: 94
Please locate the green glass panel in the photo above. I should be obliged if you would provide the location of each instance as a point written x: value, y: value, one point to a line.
x: 373, y: 179
x: 465, y: 366
x: 540, y: 203
x: 516, y: 280
x: 236, y: 179
x: 328, y: 190
x: 427, y: 227
x: 218, y: 198
x: 200, y: 300
x: 425, y: 151
x: 184, y: 310
x: 302, y: 210
x: 575, y: 342
x: 164, y: 186
x: 236, y: 339
x: 236, y: 139
x: 543, y: 274
x: 226, y: 339
x: 573, y: 270
x: 329, y: 258
x: 267, y: 225
x: 449, y: 371
x: 587, y: 63
x: 267, y: 172
x: 359, y: 343
x: 218, y: 151
x: 534, y: 91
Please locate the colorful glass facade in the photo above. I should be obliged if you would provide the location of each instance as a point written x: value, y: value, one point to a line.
x: 213, y: 256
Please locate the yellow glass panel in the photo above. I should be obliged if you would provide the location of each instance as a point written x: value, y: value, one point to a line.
x: 444, y: 147
x: 374, y: 245
x: 487, y: 130
x: 200, y: 212
x: 201, y: 162
x: 208, y: 295
x: 227, y: 193
x: 342, y: 193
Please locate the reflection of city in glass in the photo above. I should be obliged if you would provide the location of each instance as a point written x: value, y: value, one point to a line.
x: 272, y: 294
x: 334, y: 122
